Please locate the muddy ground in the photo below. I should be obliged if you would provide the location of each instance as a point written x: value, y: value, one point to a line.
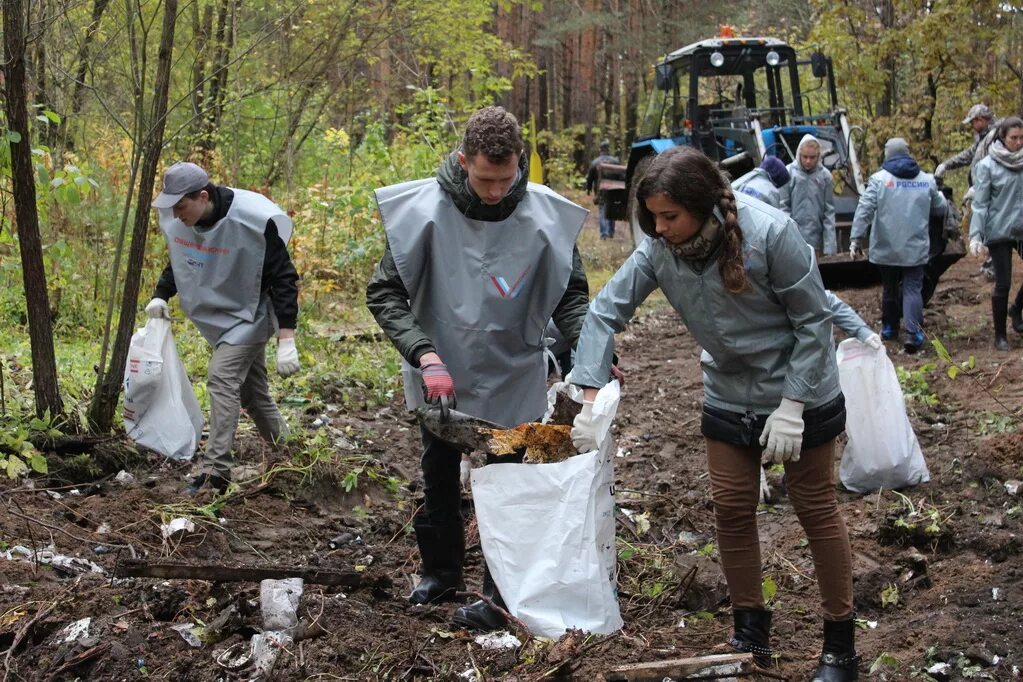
x: 937, y: 568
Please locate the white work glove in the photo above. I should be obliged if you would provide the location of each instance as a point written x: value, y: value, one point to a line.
x: 584, y: 429
x: 977, y: 247
x: 157, y: 308
x: 874, y: 341
x: 287, y: 357
x: 765, y: 490
x: 855, y: 249
x: 783, y: 433
x: 968, y: 196
x: 939, y: 172
x: 464, y: 472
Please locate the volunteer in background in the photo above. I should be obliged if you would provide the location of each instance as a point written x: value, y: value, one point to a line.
x: 607, y: 226
x: 997, y: 222
x: 765, y: 182
x: 809, y: 197
x: 229, y: 265
x: 894, y: 213
x: 748, y: 290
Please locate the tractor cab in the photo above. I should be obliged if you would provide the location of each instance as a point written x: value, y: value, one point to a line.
x: 739, y: 100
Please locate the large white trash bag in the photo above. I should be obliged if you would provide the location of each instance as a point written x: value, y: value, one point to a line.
x: 548, y: 532
x: 882, y: 451
x: 160, y: 408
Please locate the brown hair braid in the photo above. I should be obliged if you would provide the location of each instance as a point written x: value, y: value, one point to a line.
x: 690, y: 179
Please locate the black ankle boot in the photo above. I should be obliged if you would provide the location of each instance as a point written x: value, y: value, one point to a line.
x: 838, y: 662
x: 480, y: 615
x: 442, y: 549
x: 753, y: 634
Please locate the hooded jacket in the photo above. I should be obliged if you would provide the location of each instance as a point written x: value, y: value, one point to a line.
x: 809, y: 197
x: 758, y: 184
x: 771, y: 341
x: 894, y: 213
x: 388, y: 299
x: 997, y: 203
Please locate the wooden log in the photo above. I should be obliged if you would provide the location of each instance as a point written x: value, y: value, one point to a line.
x: 697, y: 668
x: 131, y: 568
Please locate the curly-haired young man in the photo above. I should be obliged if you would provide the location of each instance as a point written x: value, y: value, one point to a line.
x: 478, y: 259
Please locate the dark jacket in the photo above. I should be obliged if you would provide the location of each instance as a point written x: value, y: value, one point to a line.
x: 279, y: 278
x: 591, y: 176
x: 388, y: 300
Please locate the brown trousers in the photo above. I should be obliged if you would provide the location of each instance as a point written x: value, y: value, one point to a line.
x: 735, y: 488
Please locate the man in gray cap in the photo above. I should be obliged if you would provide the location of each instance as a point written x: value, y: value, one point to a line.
x: 229, y: 265
x: 607, y: 226
x: 985, y: 125
x: 893, y: 214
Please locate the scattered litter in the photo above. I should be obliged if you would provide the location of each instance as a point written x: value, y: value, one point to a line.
x: 996, y: 594
x: 343, y: 539
x: 102, y: 549
x: 103, y: 529
x: 278, y: 601
x: 502, y: 639
x: 1013, y: 487
x: 124, y: 478
x: 75, y: 631
x: 265, y: 648
x: 942, y: 669
x: 175, y: 526
x: 190, y: 633
x: 54, y: 494
x: 468, y: 674
x: 74, y: 492
x: 49, y: 556
x: 234, y: 657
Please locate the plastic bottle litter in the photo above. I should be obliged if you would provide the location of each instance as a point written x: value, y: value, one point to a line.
x: 278, y: 601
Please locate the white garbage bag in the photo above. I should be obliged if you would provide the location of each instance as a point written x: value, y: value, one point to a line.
x: 882, y: 451
x: 548, y: 533
x: 160, y: 408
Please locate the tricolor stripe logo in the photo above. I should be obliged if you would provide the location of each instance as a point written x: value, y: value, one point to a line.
x: 509, y: 291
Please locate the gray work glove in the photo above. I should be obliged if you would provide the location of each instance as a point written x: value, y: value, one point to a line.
x: 157, y: 308
x: 287, y: 357
x: 783, y: 433
x: 856, y: 249
x: 584, y: 429
x: 939, y: 172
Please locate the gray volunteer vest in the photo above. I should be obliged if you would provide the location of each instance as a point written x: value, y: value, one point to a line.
x: 483, y: 291
x: 218, y: 270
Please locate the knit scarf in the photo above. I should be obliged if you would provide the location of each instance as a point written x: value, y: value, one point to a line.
x: 1011, y: 160
x: 700, y: 245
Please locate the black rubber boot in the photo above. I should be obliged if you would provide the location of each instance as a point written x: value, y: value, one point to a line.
x: 1016, y: 315
x: 838, y: 662
x: 202, y: 482
x: 442, y: 549
x: 753, y: 634
x: 479, y: 615
x: 998, y: 314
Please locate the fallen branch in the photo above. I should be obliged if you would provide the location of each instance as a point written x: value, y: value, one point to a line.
x: 86, y: 655
x: 226, y: 574
x: 699, y: 668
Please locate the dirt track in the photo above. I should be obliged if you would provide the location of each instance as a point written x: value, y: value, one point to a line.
x: 957, y: 595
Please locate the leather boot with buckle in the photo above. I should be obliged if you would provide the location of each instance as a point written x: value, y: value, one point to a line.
x: 838, y: 662
x: 753, y: 634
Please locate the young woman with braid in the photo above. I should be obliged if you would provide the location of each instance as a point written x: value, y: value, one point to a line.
x: 740, y: 276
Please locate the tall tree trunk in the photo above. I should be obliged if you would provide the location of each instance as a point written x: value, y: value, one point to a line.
x: 217, y: 91
x: 40, y: 329
x: 82, y: 73
x: 108, y: 385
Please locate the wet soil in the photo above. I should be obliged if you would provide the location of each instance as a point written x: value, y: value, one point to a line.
x: 949, y: 595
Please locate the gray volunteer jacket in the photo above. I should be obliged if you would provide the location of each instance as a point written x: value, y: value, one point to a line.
x: 997, y: 203
x: 895, y: 211
x: 757, y: 183
x: 810, y: 199
x: 769, y: 342
x: 847, y: 319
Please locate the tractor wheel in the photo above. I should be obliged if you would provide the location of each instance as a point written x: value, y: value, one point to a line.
x: 637, y: 233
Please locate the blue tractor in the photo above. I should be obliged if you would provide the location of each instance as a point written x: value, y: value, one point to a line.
x: 739, y: 100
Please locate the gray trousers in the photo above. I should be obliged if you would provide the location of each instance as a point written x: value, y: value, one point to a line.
x: 237, y: 378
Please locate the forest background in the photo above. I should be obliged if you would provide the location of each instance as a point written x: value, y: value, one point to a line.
x: 317, y: 102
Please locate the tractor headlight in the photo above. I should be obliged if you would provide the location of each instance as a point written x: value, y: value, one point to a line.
x: 717, y: 59
x: 773, y: 58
